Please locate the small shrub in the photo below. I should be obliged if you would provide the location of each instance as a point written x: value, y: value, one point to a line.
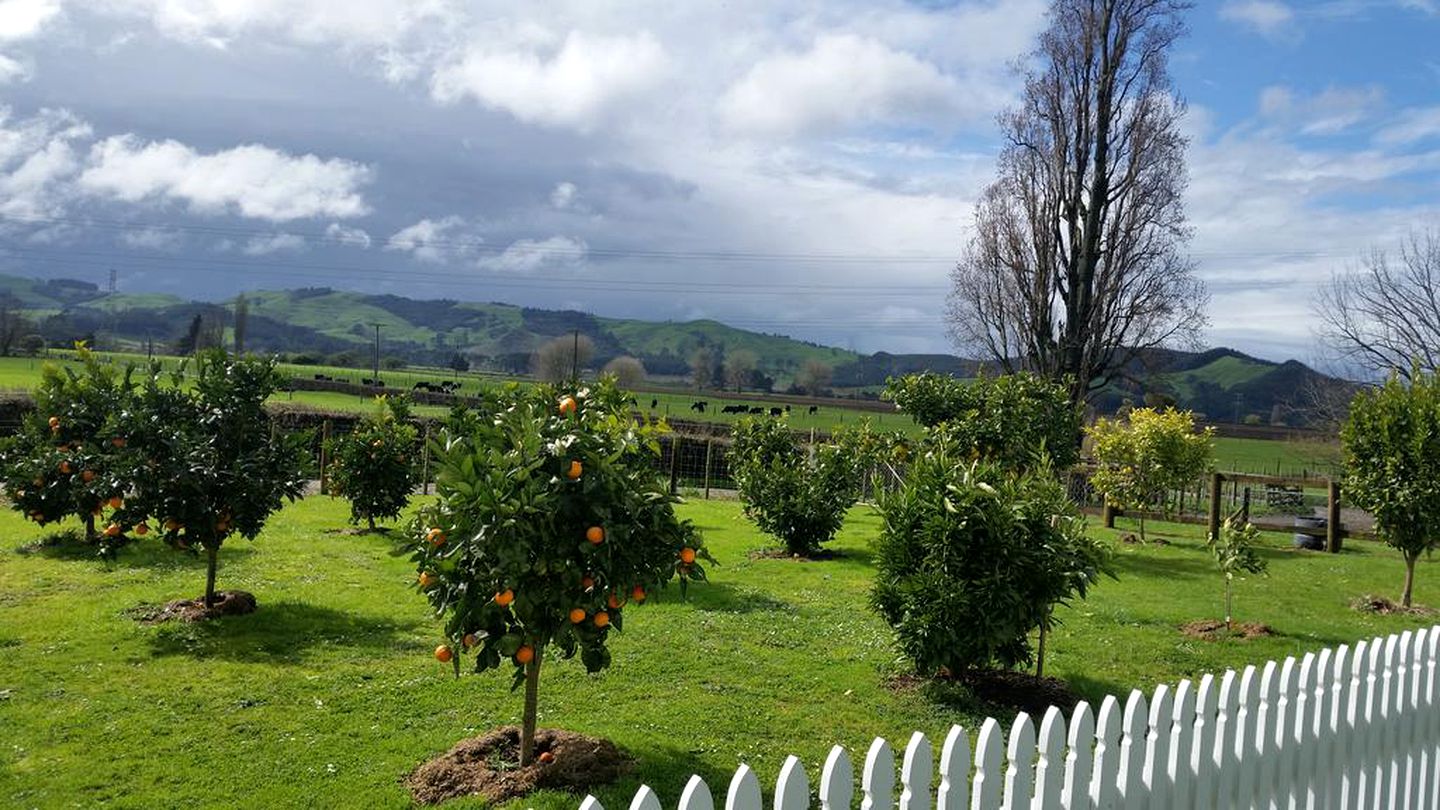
x: 971, y: 558
x: 1234, y: 552
x: 551, y: 518
x: 374, y: 465
x: 797, y: 495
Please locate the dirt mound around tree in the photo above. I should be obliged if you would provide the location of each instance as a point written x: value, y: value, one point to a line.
x: 1379, y: 604
x: 488, y: 766
x: 227, y: 603
x: 1214, y: 630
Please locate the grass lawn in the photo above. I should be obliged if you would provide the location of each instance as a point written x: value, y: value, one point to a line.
x: 328, y: 695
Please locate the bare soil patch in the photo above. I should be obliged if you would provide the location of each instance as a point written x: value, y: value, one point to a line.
x: 781, y: 554
x: 488, y: 766
x: 227, y: 603
x: 1369, y: 603
x: 1020, y: 691
x: 1214, y: 630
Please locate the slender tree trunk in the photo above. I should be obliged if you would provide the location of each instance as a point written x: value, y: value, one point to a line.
x: 1227, y: 604
x: 1040, y: 649
x: 371, y: 518
x: 1142, y: 527
x: 90, y: 528
x: 212, y: 555
x: 532, y: 696
x: 1409, y: 578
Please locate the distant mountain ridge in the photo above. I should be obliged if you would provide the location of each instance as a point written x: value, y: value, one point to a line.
x: 339, y: 326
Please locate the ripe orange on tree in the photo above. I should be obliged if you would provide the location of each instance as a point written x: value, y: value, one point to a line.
x: 436, y: 537
x: 525, y: 654
x: 443, y: 654
x: 115, y: 502
x: 602, y: 619
x: 427, y: 579
x: 142, y: 529
x: 577, y: 615
x: 568, y: 406
x: 87, y: 476
x: 614, y: 602
x: 505, y: 597
x: 574, y: 471
x: 637, y: 594
x: 687, y: 555
x: 587, y: 582
x: 54, y: 422
x: 595, y: 535
x: 112, y: 530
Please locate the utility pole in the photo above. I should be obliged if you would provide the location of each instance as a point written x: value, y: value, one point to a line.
x: 376, y: 375
x: 575, y: 358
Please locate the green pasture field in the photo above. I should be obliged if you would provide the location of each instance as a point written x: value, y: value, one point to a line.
x: 329, y: 695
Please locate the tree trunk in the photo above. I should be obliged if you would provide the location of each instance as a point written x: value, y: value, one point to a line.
x: 211, y: 556
x: 1227, y: 604
x: 371, y: 518
x: 532, y: 695
x: 1142, y: 527
x: 1409, y: 578
x: 90, y: 528
x: 1040, y: 650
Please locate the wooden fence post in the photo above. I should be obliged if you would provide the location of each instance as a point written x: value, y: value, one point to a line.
x: 1212, y: 522
x: 1332, y: 522
x: 1245, y: 506
x: 709, y: 445
x: 674, y: 471
x: 324, y: 445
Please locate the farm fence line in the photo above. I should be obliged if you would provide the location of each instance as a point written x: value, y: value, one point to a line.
x: 1349, y: 727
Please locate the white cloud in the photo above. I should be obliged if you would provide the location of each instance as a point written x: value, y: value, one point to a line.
x: 529, y: 255
x: 354, y: 237
x: 1411, y: 126
x: 563, y: 196
x: 13, y: 70
x: 273, y: 243
x: 432, y: 240
x: 578, y: 84
x: 162, y: 239
x: 1266, y: 17
x: 38, y: 160
x: 23, y: 19
x: 252, y: 181
x: 1331, y: 111
x: 312, y: 22
x: 843, y: 79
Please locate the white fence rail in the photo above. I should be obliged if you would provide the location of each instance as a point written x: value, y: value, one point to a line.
x: 1345, y: 728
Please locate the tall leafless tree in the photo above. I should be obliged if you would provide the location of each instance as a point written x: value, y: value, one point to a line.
x: 1077, y: 264
x: 562, y: 358
x: 1384, y: 315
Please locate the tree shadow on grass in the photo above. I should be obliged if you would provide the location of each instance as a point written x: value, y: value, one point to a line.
x: 666, y: 770
x: 280, y: 632
x: 1150, y: 565
x: 70, y: 546
x: 726, y: 598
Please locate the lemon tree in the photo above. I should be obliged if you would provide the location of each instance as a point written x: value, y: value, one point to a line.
x: 209, y: 463
x: 551, y: 521
x: 1146, y: 454
x: 70, y: 457
x: 374, y: 465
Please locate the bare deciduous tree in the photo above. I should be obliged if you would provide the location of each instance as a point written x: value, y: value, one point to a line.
x: 740, y: 367
x: 629, y: 371
x: 562, y: 358
x: 1384, y: 315
x: 1076, y: 267
x: 813, y: 377
x: 702, y: 367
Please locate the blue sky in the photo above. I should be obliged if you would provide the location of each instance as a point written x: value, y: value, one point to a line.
x: 792, y: 166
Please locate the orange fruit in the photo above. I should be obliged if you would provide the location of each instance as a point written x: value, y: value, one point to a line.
x: 638, y: 594
x: 577, y: 615
x: 142, y: 529
x: 587, y: 582
x: 443, y: 654
x: 436, y: 537
x: 87, y: 476
x: 595, y: 535
x: 113, y: 530
x: 614, y: 602
x: 117, y: 442
x: 115, y: 502
x: 426, y: 579
x: 574, y: 472
x: 505, y: 597
x: 687, y: 555
x: 525, y: 654
x: 54, y: 422
x: 568, y: 406
x: 65, y: 467
x: 470, y: 640
x: 546, y: 757
x: 602, y: 619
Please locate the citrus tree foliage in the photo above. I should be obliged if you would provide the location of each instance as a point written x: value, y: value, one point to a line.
x: 70, y: 455
x: 210, y: 464
x: 1145, y: 455
x: 1006, y: 419
x: 972, y: 557
x: 551, y: 520
x: 797, y: 494
x: 1234, y: 552
x: 1391, y: 444
x: 374, y: 465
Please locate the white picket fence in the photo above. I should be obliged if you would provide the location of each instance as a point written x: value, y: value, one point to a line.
x: 1344, y: 728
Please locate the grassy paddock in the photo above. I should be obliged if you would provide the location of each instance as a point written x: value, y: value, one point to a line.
x: 329, y: 695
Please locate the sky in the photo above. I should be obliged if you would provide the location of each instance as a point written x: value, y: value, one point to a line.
x: 796, y: 167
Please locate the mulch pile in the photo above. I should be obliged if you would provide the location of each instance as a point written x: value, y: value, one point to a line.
x: 1379, y: 604
x: 227, y: 603
x: 488, y: 766
x: 1214, y: 630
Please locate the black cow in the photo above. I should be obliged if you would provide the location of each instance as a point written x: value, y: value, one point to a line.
x: 345, y: 380
x: 776, y: 411
x: 814, y: 409
x: 734, y: 409
x: 699, y: 405
x: 757, y: 411
x: 654, y: 403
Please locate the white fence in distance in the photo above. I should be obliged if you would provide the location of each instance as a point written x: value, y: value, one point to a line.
x: 1346, y: 728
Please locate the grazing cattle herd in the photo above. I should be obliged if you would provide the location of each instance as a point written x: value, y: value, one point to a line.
x: 700, y: 405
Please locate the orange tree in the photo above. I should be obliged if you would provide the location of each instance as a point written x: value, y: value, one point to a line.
x: 374, y: 465
x: 209, y: 463
x: 71, y: 454
x: 551, y: 519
